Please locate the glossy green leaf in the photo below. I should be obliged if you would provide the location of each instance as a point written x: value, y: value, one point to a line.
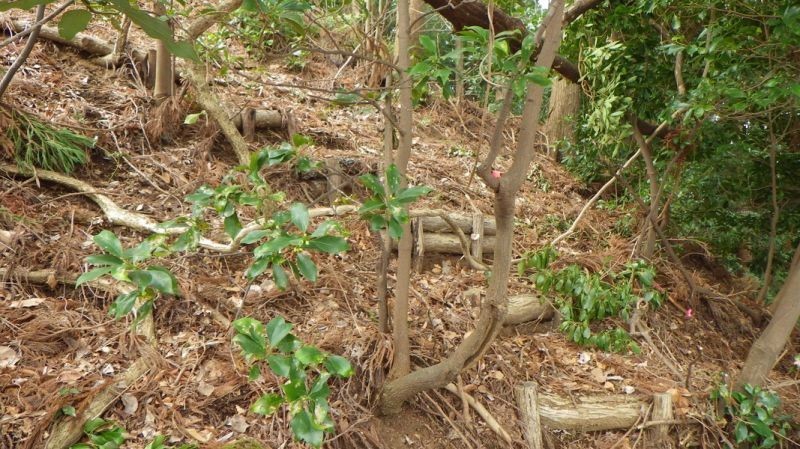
x: 267, y: 404
x: 92, y: 275
x: 299, y: 214
x: 73, y: 22
x: 339, y: 366
x: 280, y: 277
x: 309, y: 355
x: 123, y: 304
x: 109, y: 242
x: 329, y: 244
x: 277, y: 330
x: 305, y: 430
x: 307, y: 267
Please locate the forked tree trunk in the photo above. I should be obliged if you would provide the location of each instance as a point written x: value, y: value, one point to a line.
x: 765, y: 350
x: 495, y: 308
x: 565, y: 103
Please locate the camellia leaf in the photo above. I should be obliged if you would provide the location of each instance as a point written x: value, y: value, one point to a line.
x: 156, y: 29
x: 250, y: 337
x: 277, y: 330
x: 393, y: 178
x: 163, y: 280
x: 329, y: 244
x: 309, y: 355
x: 92, y: 275
x: 280, y: 364
x: 339, y: 366
x: 109, y: 242
x: 304, y: 429
x: 307, y: 267
x: 299, y: 214
x: 73, y: 22
x: 232, y: 225
x: 123, y: 304
x: 372, y: 183
x: 412, y: 194
x: 267, y: 404
x: 280, y: 277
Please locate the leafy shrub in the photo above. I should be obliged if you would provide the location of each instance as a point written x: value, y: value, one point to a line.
x: 753, y: 413
x: 583, y: 298
x: 386, y: 209
x: 304, y: 371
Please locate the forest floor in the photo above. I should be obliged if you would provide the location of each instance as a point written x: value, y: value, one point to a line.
x: 59, y: 346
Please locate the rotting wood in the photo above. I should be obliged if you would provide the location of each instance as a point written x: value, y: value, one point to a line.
x: 528, y: 402
x: 262, y: 119
x: 589, y: 413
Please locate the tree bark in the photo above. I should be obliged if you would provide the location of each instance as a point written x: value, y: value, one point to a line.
x: 401, y: 363
x: 765, y: 350
x: 565, y: 103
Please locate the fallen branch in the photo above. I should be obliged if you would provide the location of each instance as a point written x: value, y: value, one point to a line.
x: 481, y: 410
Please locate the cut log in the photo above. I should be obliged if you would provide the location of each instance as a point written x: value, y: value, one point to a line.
x: 477, y: 236
x: 448, y: 244
x: 263, y: 119
x: 438, y: 225
x: 658, y: 435
x: 528, y: 403
x: 524, y: 308
x: 589, y: 413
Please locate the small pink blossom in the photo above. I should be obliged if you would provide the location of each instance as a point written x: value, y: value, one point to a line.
x: 689, y: 313
x: 496, y: 174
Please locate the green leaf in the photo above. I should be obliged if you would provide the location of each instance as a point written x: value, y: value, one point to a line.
x: 309, y: 355
x: 156, y: 29
x: 191, y: 119
x: 23, y: 4
x: 73, y: 22
x: 250, y: 337
x: 123, y: 304
x: 320, y: 389
x: 761, y: 428
x: 299, y: 214
x: 329, y: 244
x: 339, y: 366
x: 267, y: 404
x: 412, y: 194
x: 395, y: 228
x: 104, y: 259
x: 280, y: 277
x: 371, y: 205
x: 372, y: 183
x: 68, y: 410
x: 93, y: 424
x: 393, y: 178
x: 92, y: 275
x: 307, y: 267
x: 275, y: 245
x: 254, y: 236
x: 741, y: 432
x: 157, y: 443
x: 377, y: 222
x: 281, y: 365
x: 295, y: 388
x: 257, y: 268
x: 109, y: 242
x: 163, y: 280
x: 305, y: 430
x: 277, y: 330
x: 232, y: 225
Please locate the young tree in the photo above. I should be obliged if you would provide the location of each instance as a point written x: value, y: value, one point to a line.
x: 495, y: 306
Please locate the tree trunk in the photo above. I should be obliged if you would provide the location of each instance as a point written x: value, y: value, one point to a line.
x: 764, y: 352
x: 495, y: 308
x: 401, y: 363
x: 565, y: 103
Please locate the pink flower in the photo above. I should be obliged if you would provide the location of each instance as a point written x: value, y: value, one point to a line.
x: 496, y: 174
x: 689, y: 313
